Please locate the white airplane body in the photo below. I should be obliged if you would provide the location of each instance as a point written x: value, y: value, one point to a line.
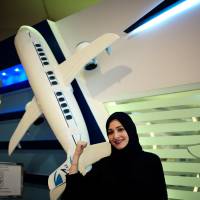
x: 54, y: 97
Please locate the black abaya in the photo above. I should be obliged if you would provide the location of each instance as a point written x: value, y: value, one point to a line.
x: 129, y: 173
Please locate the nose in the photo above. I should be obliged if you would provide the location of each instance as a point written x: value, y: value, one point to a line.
x: 116, y: 134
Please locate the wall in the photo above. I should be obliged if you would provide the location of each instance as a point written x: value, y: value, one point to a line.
x: 163, y: 57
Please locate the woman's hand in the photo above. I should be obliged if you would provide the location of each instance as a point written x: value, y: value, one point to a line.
x: 79, y: 148
x: 78, y: 151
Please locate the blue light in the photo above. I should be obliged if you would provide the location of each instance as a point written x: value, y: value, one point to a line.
x: 17, y: 69
x: 182, y: 6
x: 12, y: 75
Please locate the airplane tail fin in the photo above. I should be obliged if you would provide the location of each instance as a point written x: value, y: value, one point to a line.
x: 58, y: 177
x: 57, y: 192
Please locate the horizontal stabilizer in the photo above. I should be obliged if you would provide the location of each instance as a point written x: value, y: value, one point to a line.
x: 93, y: 153
x: 31, y: 114
x: 70, y: 68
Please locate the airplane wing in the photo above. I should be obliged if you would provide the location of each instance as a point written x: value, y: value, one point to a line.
x: 31, y: 114
x: 70, y: 68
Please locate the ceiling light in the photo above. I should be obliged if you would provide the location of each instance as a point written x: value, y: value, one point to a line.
x: 171, y: 9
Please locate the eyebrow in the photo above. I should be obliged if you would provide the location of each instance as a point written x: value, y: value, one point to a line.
x: 120, y: 126
x: 116, y: 127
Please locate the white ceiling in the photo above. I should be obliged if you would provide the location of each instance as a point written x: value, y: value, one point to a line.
x: 15, y: 13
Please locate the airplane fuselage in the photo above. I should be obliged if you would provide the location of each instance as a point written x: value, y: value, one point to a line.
x: 54, y: 98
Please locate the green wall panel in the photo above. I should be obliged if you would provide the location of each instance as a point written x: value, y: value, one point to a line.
x: 169, y: 126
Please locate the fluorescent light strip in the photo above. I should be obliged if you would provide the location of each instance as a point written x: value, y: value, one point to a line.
x: 165, y: 15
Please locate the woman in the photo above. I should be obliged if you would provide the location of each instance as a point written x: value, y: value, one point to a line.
x: 128, y: 173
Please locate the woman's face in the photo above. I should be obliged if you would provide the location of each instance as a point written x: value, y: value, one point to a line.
x: 117, y: 135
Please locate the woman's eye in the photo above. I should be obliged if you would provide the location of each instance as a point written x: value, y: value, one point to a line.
x: 110, y: 132
x: 121, y: 129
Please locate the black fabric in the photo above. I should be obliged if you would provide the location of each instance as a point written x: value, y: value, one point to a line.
x: 129, y: 173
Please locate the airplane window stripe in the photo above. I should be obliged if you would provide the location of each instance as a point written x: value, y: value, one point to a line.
x: 61, y: 107
x: 38, y: 54
x: 41, y: 54
x: 52, y: 81
x: 65, y: 115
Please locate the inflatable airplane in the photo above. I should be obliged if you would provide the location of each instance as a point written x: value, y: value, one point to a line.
x: 53, y: 97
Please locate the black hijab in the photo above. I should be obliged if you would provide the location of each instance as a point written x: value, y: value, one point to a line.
x: 133, y: 147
